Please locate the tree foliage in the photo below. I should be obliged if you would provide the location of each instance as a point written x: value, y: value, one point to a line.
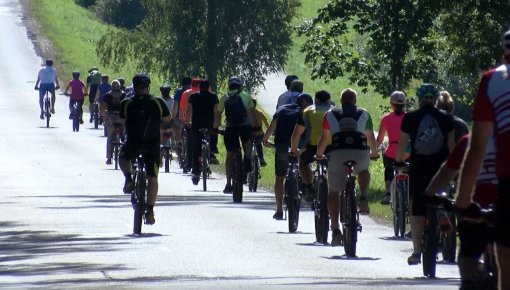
x: 211, y: 38
x: 85, y: 3
x: 121, y: 13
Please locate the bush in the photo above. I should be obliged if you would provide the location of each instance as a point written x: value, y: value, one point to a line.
x: 121, y: 13
x: 85, y: 3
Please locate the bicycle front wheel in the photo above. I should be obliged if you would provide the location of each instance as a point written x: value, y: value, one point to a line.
x: 293, y: 203
x: 237, y: 179
x: 96, y: 116
x: 139, y: 203
x: 166, y: 155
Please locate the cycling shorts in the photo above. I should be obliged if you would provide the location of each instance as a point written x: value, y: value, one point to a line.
x: 337, y: 176
x: 130, y: 151
x: 418, y: 182
x: 92, y: 93
x: 167, y: 125
x: 43, y: 88
x: 307, y: 156
x: 502, y: 228
x: 232, y: 136
x: 389, y: 171
x: 473, y: 239
x: 281, y: 159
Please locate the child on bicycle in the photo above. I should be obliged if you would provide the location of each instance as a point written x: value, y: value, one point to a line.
x: 260, y: 119
x: 78, y: 92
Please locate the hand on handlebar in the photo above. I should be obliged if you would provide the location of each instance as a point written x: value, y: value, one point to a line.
x: 319, y: 157
x: 267, y: 144
x: 36, y: 88
x: 374, y: 156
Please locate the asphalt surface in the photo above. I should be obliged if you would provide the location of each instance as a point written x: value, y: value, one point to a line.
x: 65, y: 223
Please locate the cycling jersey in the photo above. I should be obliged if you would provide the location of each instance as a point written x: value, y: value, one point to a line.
x: 77, y: 87
x: 47, y: 75
x: 352, y: 139
x: 287, y: 116
x: 248, y: 104
x: 202, y: 104
x: 104, y: 88
x: 113, y: 100
x: 312, y: 118
x: 183, y: 101
x: 287, y: 98
x: 391, y: 123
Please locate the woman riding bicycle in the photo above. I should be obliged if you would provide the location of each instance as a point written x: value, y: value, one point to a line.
x: 78, y: 92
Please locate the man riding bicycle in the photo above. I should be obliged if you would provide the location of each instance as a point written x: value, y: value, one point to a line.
x: 167, y: 127
x: 143, y: 114
x: 110, y: 111
x: 47, y: 81
x: 240, y: 116
x: 349, y: 130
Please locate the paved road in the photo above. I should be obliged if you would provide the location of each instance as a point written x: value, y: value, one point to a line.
x: 64, y: 222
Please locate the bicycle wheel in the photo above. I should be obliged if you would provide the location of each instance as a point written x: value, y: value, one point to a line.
x: 321, y: 210
x: 395, y: 208
x: 47, y: 112
x: 351, y: 225
x: 291, y: 189
x: 254, y: 172
x: 166, y: 156
x: 116, y: 155
x: 449, y: 248
x: 401, y: 205
x: 76, y: 121
x: 139, y: 203
x: 429, y: 247
x: 205, y: 166
x: 237, y: 179
x: 96, y: 116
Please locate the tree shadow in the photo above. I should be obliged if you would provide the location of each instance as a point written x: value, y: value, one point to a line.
x: 393, y: 238
x: 347, y: 258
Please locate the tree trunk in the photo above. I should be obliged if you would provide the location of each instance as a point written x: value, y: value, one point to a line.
x: 211, y: 64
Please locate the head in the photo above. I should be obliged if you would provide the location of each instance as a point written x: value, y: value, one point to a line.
x: 165, y: 90
x: 105, y: 78
x: 445, y: 102
x: 304, y: 100
x: 186, y: 82
x: 116, y: 86
x: 398, y: 101
x: 322, y: 97
x: 76, y: 75
x: 506, y: 42
x: 427, y: 95
x: 254, y: 101
x: 289, y: 80
x: 141, y: 83
x: 296, y: 86
x: 195, y: 82
x: 204, y: 85
x: 122, y: 81
x: 49, y: 62
x: 93, y: 69
x: 348, y: 96
x: 235, y: 84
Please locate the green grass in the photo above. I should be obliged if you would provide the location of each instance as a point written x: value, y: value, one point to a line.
x: 74, y: 31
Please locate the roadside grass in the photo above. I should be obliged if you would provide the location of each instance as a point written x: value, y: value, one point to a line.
x: 74, y: 31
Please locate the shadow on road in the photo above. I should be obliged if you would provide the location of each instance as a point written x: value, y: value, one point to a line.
x: 346, y: 258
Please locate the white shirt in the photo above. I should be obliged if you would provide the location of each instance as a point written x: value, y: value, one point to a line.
x: 47, y: 75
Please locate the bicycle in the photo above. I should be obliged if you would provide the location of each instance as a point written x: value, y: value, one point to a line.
x: 292, y: 197
x: 254, y: 174
x: 448, y: 239
x: 349, y: 216
x: 139, y: 194
x: 184, y: 151
x: 400, y: 200
x: 47, y: 108
x: 95, y: 114
x: 117, y: 143
x: 76, y: 116
x: 320, y: 203
x: 206, y: 171
x: 166, y: 149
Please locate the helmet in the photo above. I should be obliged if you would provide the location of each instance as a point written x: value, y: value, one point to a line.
x: 398, y: 98
x: 506, y: 40
x: 76, y: 74
x: 122, y: 81
x: 105, y: 78
x: 427, y: 90
x: 49, y: 62
x: 195, y: 82
x: 235, y: 81
x: 141, y: 81
x: 165, y: 89
x: 93, y: 69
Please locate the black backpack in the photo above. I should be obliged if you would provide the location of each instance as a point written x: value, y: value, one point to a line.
x: 235, y: 111
x: 148, y: 119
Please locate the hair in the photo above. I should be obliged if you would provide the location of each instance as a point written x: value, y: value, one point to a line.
x: 115, y: 84
x: 296, y: 86
x: 254, y: 102
x: 204, y: 85
x: 289, y: 80
x: 348, y: 96
x: 322, y: 96
x: 186, y: 81
x: 445, y: 102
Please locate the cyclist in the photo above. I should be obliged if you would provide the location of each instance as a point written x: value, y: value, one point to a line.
x: 166, y: 126
x: 348, y: 129
x: 104, y: 87
x: 142, y: 114
x: 309, y: 121
x: 93, y: 81
x: 490, y: 118
x: 47, y: 81
x: 240, y: 116
x: 122, y: 82
x: 200, y: 112
x: 110, y: 111
x: 183, y: 105
x: 282, y: 125
x: 177, y: 123
x: 78, y: 92
x: 283, y: 99
x: 430, y: 132
x: 260, y: 120
x: 474, y: 238
x: 445, y: 102
x: 390, y: 125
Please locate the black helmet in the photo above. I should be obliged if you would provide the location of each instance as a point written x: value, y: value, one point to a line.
x: 165, y: 89
x: 141, y: 81
x: 427, y: 90
x: 235, y: 82
x: 506, y: 40
x: 76, y: 74
x: 122, y: 81
x: 49, y: 62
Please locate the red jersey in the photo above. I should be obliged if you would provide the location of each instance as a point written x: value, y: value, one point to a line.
x: 391, y: 122
x: 77, y: 90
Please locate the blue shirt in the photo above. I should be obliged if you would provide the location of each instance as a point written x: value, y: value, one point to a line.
x: 103, y: 88
x: 287, y: 117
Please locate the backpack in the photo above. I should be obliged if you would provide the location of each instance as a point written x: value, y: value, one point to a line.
x: 235, y: 111
x: 95, y: 77
x: 148, y: 119
x: 429, y: 139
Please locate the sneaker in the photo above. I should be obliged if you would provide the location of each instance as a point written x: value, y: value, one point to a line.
x: 278, y: 215
x: 108, y: 161
x: 42, y: 116
x: 385, y: 200
x: 263, y: 163
x: 228, y: 188
x: 213, y: 160
x: 444, y: 222
x: 52, y: 110
x: 363, y: 206
x: 337, y: 239
x: 195, y: 178
x: 149, y: 218
x: 129, y: 185
x: 414, y: 259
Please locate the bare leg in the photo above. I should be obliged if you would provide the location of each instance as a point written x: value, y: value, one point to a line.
x: 278, y: 192
x: 364, y: 182
x: 334, y: 208
x: 503, y: 258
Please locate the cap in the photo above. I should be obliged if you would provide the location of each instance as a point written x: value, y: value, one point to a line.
x: 398, y: 98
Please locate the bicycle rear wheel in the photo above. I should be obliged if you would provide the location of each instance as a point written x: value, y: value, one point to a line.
x: 429, y: 247
x: 47, y: 112
x: 449, y: 249
x: 205, y: 166
x: 237, y: 179
x: 166, y: 155
x: 116, y: 155
x: 139, y: 203
x: 253, y: 180
x: 351, y: 225
x: 76, y: 121
x: 401, y: 217
x: 293, y: 203
x: 321, y: 210
x: 96, y: 116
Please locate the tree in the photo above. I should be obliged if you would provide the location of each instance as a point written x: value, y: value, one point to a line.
x: 121, y: 13
x: 211, y: 38
x: 383, y: 43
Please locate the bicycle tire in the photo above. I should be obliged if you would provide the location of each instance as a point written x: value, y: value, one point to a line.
x: 140, y: 204
x: 402, y: 188
x: 116, y: 155
x: 395, y: 208
x: 237, y: 179
x: 321, y: 211
x: 47, y: 112
x: 255, y: 172
x: 166, y: 155
x: 291, y: 188
x: 205, y: 166
x: 96, y: 116
x: 351, y: 225
x: 429, y: 247
x: 449, y: 249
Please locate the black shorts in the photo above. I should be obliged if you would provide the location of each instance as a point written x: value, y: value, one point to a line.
x: 307, y: 156
x: 502, y: 223
x: 232, y: 136
x: 417, y: 185
x: 130, y: 151
x: 281, y: 159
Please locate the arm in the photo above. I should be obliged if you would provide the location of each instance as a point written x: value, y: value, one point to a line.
x: 440, y: 180
x: 264, y: 121
x: 251, y: 117
x: 372, y: 143
x: 473, y: 162
x: 217, y: 117
x: 296, y: 135
x: 36, y: 87
x: 102, y: 108
x: 380, y: 135
x: 403, y: 141
x: 269, y: 131
x: 323, y: 142
x: 451, y: 141
x: 57, y: 84
x: 67, y: 89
